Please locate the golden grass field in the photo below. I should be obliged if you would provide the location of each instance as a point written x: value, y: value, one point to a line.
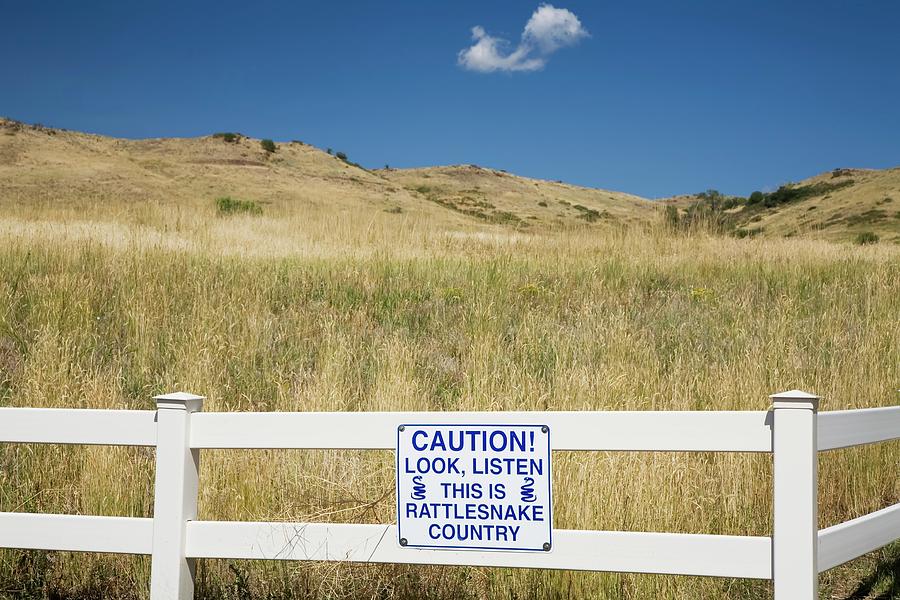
x: 106, y: 301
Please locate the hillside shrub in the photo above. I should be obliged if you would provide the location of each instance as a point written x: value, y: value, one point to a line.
x: 789, y: 193
x: 707, y: 213
x: 227, y: 136
x: 341, y: 156
x: 267, y: 145
x: 712, y: 197
x: 226, y: 205
x: 864, y: 238
x: 588, y: 214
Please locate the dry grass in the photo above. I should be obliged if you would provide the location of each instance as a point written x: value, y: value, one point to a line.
x: 62, y: 175
x: 308, y: 309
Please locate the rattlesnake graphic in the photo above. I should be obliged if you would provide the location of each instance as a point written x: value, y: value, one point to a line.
x: 418, y: 492
x: 527, y: 490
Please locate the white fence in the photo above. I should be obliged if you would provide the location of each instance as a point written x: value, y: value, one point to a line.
x: 793, y: 431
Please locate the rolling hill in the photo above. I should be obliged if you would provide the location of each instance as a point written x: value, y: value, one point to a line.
x: 499, y: 197
x: 68, y: 174
x: 837, y: 205
x: 63, y: 169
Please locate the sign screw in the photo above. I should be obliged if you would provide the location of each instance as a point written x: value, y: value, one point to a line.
x: 403, y: 542
x: 544, y: 429
x: 403, y: 428
x: 546, y: 546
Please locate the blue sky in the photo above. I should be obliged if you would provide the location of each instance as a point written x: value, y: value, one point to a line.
x: 654, y: 98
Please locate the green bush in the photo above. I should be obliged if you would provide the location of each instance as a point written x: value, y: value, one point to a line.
x: 864, y: 238
x: 343, y: 157
x: 226, y: 205
x: 714, y: 197
x: 790, y: 193
x: 756, y: 198
x: 267, y: 145
x: 227, y: 136
x: 588, y: 214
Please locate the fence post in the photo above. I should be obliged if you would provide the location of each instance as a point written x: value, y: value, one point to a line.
x: 795, y: 536
x: 175, y: 497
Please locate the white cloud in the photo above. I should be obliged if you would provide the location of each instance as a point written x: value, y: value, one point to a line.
x: 548, y: 30
x: 552, y: 28
x: 486, y: 55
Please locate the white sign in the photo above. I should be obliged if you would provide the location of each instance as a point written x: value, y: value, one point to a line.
x: 475, y: 487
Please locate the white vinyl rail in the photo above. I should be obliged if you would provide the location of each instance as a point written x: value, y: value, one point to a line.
x: 793, y: 431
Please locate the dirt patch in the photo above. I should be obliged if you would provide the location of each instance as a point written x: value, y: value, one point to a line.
x: 236, y: 162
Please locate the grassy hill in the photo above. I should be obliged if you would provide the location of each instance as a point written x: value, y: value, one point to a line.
x: 64, y: 175
x: 70, y: 173
x: 500, y: 197
x: 835, y: 205
x: 838, y: 205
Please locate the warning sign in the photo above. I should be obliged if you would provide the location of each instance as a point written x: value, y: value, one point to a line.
x: 478, y: 487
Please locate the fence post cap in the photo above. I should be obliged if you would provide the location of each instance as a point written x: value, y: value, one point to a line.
x: 180, y: 401
x: 795, y: 399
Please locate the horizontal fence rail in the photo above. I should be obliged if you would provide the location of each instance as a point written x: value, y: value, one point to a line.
x: 852, y: 539
x: 78, y: 426
x: 792, y: 431
x: 711, y: 431
x: 845, y: 428
x: 76, y: 533
x: 668, y: 553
